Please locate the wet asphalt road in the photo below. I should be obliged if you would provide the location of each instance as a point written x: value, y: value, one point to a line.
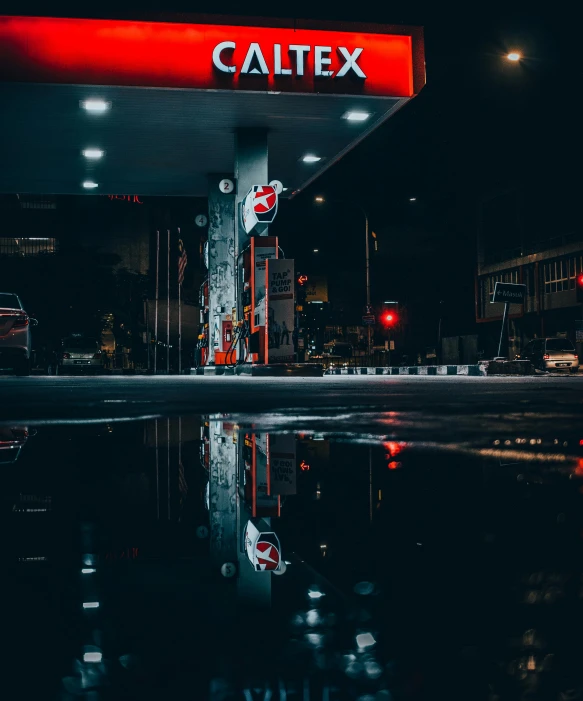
x: 70, y: 398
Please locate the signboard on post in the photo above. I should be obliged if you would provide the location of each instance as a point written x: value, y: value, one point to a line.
x: 368, y: 319
x: 509, y: 292
x: 316, y: 289
x: 283, y: 463
x: 280, y: 311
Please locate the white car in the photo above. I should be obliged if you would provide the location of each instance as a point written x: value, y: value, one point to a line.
x: 15, y: 336
x: 80, y: 354
x: 263, y: 549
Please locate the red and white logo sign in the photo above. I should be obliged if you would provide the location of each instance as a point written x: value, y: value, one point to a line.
x: 264, y: 199
x: 267, y: 556
x: 262, y: 548
x: 259, y: 207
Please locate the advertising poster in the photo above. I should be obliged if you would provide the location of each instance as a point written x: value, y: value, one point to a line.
x: 262, y: 254
x: 280, y: 311
x: 283, y: 464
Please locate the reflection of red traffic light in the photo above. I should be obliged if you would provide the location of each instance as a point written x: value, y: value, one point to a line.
x: 304, y: 466
x: 393, y: 448
x: 302, y: 279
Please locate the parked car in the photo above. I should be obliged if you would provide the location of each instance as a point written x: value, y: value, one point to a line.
x: 80, y: 354
x: 15, y: 336
x: 551, y: 354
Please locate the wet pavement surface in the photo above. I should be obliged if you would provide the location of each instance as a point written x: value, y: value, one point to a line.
x: 422, y: 552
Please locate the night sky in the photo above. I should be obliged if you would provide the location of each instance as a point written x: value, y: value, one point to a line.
x: 482, y: 130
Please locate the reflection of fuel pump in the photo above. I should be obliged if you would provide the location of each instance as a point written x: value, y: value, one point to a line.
x: 257, y: 480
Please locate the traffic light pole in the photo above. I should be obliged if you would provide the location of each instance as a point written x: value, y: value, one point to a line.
x: 367, y: 249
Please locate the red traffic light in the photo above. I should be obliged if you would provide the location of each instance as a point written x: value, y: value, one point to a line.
x: 389, y: 318
x: 580, y: 280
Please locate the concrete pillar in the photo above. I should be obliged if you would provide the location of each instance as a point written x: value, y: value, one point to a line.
x: 221, y: 237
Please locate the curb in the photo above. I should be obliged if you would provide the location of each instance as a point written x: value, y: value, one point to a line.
x: 472, y: 370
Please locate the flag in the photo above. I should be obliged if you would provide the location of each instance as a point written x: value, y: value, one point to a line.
x: 182, y: 260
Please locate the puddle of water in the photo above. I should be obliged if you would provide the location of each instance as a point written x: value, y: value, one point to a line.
x: 352, y: 556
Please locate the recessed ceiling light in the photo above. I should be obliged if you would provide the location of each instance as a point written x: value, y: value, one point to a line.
x: 90, y: 185
x: 93, y: 153
x: 95, y: 106
x: 310, y: 158
x: 355, y: 116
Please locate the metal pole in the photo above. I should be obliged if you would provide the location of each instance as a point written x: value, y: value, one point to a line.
x: 157, y: 469
x: 180, y: 322
x: 157, y: 298
x: 370, y: 485
x: 504, y: 324
x: 168, y: 467
x: 148, y: 333
x: 168, y: 310
x: 367, y: 249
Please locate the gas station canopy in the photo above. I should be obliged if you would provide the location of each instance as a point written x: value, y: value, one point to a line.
x: 156, y: 105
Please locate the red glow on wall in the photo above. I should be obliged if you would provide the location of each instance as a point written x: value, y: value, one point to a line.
x: 168, y: 55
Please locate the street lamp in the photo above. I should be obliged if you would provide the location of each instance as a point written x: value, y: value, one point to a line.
x: 514, y: 56
x: 321, y: 200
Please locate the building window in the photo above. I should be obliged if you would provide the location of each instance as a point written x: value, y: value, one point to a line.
x: 506, y: 276
x: 27, y: 246
x: 560, y: 274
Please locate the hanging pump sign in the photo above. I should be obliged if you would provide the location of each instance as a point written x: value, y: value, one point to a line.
x: 259, y: 208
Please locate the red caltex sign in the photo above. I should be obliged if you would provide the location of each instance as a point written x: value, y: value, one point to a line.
x: 304, y: 57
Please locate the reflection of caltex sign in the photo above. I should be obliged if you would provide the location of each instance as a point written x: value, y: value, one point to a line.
x: 259, y: 208
x: 263, y: 549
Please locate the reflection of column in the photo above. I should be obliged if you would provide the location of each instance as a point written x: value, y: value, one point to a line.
x: 228, y: 514
x: 222, y: 493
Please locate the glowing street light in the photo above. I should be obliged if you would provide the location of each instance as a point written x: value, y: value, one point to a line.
x: 514, y: 56
x: 319, y: 199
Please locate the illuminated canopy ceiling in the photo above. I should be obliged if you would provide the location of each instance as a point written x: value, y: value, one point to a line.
x: 174, y: 93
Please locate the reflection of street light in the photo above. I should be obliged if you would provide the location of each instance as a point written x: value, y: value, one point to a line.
x: 514, y: 56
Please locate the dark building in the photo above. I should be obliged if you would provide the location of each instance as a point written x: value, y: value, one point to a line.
x: 546, y: 257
